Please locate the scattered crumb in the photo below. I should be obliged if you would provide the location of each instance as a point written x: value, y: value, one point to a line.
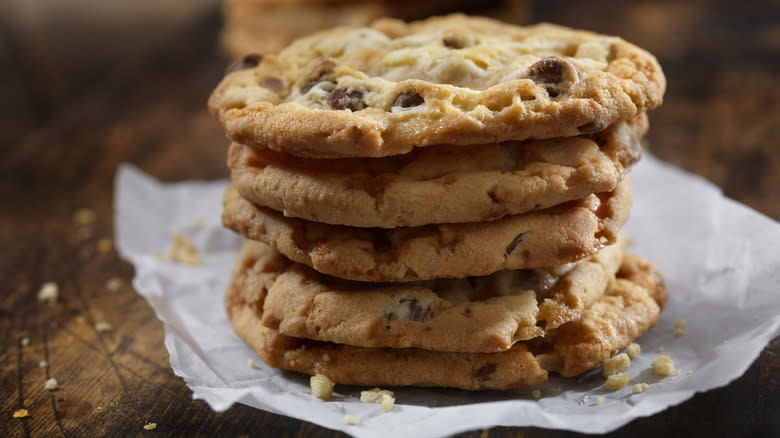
x: 51, y: 385
x: 679, y: 328
x: 103, y: 327
x: 536, y: 394
x: 84, y: 217
x: 196, y: 223
x: 25, y: 341
x: 664, y: 366
x: 105, y: 245
x: 374, y: 395
x: 43, y: 364
x: 114, y: 284
x: 21, y: 413
x: 251, y: 363
x: 385, y: 398
x: 599, y: 400
x: 633, y: 350
x: 690, y: 372
x: 325, y: 357
x: 49, y: 292
x: 81, y: 319
x: 349, y: 419
x: 756, y: 318
x: 614, y: 364
x: 150, y: 426
x: 639, y: 388
x: 725, y: 325
x: 660, y: 349
x: 387, y: 403
x: 306, y: 390
x: 182, y: 250
x: 617, y: 381
x: 321, y: 386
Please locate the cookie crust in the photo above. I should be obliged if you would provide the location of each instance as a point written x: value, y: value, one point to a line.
x: 439, y: 184
x: 625, y: 311
x: 550, y: 237
x: 387, y: 88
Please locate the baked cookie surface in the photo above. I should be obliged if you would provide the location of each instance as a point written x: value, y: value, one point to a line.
x: 385, y: 89
x: 438, y: 184
x: 477, y: 314
x: 624, y: 312
x: 550, y: 237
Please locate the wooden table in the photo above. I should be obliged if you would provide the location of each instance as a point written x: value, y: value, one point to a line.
x: 720, y: 120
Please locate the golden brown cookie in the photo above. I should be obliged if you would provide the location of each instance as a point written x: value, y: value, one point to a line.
x: 623, y: 313
x: 549, y: 237
x: 385, y: 89
x: 438, y: 184
x: 478, y: 314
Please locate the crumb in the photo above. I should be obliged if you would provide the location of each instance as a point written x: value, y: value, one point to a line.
x: 617, y: 381
x: 81, y: 319
x: 690, y: 372
x: 536, y: 394
x: 664, y: 366
x: 679, y: 328
x: 633, y: 350
x: 725, y: 325
x: 114, y: 284
x: 639, y: 388
x: 660, y: 349
x: 599, y: 400
x: 756, y: 318
x: 150, y: 426
x: 182, y: 250
x: 103, y: 327
x: 43, y: 364
x: 306, y: 390
x: 105, y: 245
x: 196, y: 223
x: 349, y: 419
x: 614, y: 364
x: 21, y: 413
x: 251, y: 363
x: 374, y: 395
x: 387, y: 403
x: 49, y: 292
x: 51, y: 385
x: 25, y: 341
x: 385, y: 398
x: 84, y: 217
x: 582, y: 402
x: 321, y: 386
x: 325, y: 357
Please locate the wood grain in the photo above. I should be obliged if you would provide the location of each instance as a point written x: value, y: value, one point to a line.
x: 719, y: 120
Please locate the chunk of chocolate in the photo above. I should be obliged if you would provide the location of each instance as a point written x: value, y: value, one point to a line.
x: 249, y: 61
x: 340, y: 99
x: 408, y: 99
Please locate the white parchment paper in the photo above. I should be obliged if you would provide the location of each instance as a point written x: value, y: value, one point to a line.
x: 720, y: 260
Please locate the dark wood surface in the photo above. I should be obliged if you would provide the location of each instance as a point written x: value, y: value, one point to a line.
x: 721, y: 119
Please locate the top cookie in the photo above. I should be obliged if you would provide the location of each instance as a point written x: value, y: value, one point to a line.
x: 390, y: 87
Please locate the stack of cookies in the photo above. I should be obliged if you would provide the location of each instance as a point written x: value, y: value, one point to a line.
x: 438, y: 203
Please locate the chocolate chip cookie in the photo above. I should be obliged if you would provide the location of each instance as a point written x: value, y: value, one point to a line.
x: 550, y: 237
x: 388, y: 88
x: 438, y: 184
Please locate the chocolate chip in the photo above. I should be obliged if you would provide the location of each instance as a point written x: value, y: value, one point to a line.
x: 340, y: 99
x: 408, y: 99
x: 591, y: 127
x: 273, y: 84
x: 514, y: 244
x: 484, y: 372
x: 249, y: 61
x: 552, y: 72
x: 416, y: 311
